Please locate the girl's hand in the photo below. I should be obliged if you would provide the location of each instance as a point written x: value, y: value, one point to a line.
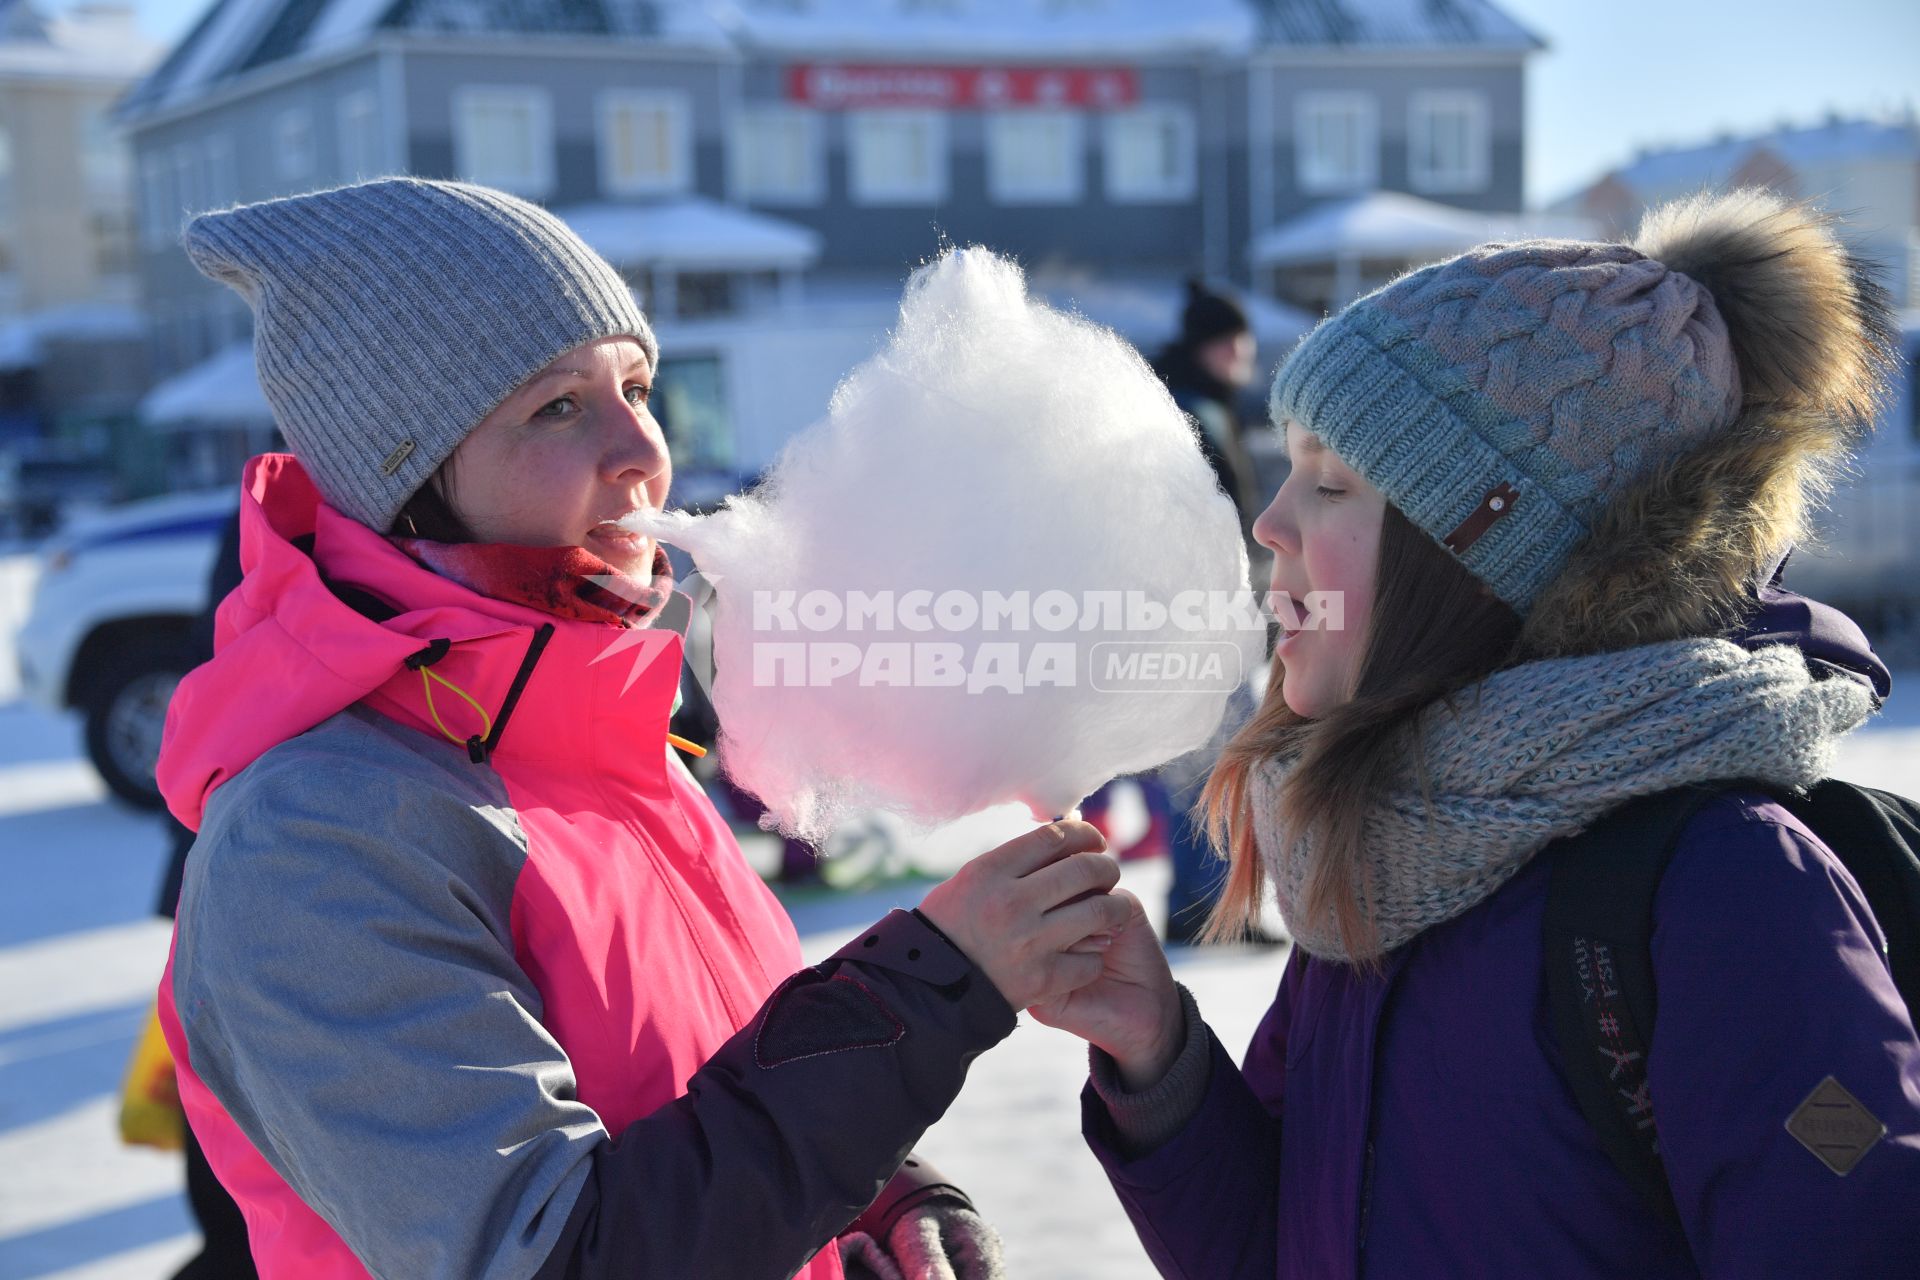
x: 1131, y: 1010
x: 1019, y: 910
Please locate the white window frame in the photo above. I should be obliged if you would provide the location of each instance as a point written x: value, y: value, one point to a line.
x: 1007, y: 186
x: 156, y: 185
x: 679, y: 174
x: 222, y: 178
x: 1422, y: 106
x: 875, y: 189
x: 357, y: 135
x: 536, y: 181
x: 293, y: 149
x: 1311, y: 170
x: 1183, y: 185
x: 748, y: 182
x: 189, y: 192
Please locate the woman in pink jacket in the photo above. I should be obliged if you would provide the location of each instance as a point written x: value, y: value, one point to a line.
x: 469, y: 979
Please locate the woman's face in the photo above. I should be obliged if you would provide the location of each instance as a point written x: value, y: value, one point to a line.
x: 572, y: 450
x: 1323, y: 528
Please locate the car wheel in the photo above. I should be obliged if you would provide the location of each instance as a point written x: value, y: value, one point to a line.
x: 125, y: 713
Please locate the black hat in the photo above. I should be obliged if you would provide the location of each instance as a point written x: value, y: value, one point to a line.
x: 1209, y: 315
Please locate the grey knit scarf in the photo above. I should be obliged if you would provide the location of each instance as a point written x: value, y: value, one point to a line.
x: 1541, y: 750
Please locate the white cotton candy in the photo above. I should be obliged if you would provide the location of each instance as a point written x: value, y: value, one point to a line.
x: 994, y: 445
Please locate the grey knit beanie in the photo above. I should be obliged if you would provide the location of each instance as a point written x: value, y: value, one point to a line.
x: 1497, y: 398
x: 391, y: 316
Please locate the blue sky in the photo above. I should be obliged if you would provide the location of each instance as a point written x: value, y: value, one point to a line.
x: 1621, y: 74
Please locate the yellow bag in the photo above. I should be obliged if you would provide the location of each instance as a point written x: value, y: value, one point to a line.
x: 150, y: 1114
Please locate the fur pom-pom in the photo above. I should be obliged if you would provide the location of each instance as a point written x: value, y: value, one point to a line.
x: 1810, y: 325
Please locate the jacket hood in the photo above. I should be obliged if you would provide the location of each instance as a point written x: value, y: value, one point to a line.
x: 289, y: 652
x: 1832, y: 642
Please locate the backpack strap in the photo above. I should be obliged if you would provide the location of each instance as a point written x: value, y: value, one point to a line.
x: 1599, y: 967
x: 1876, y: 835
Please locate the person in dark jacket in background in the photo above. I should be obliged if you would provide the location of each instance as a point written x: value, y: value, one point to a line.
x: 1206, y: 368
x: 1552, y: 480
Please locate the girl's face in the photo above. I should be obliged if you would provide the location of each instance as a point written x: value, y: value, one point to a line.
x: 572, y: 450
x: 1323, y: 528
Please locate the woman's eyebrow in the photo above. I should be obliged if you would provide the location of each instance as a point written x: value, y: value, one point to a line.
x: 636, y: 365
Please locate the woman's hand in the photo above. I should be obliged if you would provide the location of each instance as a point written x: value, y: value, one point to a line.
x: 1019, y: 911
x: 1131, y: 1010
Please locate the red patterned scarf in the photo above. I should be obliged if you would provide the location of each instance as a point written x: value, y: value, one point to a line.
x: 567, y: 582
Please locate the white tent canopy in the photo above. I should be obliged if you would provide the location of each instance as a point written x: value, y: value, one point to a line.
x: 23, y: 341
x: 693, y: 234
x: 1393, y: 225
x: 222, y: 391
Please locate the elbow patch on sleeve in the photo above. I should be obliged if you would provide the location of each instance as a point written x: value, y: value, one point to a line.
x: 812, y: 1014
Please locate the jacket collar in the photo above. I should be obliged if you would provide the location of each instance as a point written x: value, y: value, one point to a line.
x: 289, y: 653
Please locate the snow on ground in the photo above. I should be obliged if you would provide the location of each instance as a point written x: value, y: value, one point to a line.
x: 79, y: 955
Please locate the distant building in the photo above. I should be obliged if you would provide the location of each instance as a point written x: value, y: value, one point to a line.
x: 72, y: 344
x: 1866, y: 170
x: 1136, y: 136
x: 731, y: 156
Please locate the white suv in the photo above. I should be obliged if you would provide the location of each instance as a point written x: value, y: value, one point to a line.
x: 110, y: 629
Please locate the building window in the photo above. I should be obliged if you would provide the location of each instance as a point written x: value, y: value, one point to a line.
x: 1336, y: 142
x: 105, y: 159
x: 293, y: 145
x: 1448, y: 142
x: 689, y: 399
x: 646, y: 143
x: 112, y: 242
x: 223, y: 182
x: 1151, y: 155
x: 188, y: 194
x: 157, y: 217
x: 359, y: 135
x: 1035, y: 157
x: 503, y: 137
x: 776, y: 157
x: 897, y: 157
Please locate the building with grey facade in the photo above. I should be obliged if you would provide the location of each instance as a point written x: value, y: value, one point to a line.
x: 721, y: 150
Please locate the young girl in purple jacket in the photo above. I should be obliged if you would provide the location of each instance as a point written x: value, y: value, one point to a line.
x: 1550, y: 480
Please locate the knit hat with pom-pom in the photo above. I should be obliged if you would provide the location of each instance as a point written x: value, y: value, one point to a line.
x: 1510, y: 400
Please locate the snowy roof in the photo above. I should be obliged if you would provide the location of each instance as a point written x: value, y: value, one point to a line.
x: 1396, y: 23
x: 237, y: 35
x: 1832, y: 142
x: 22, y: 341
x: 223, y: 390
x: 693, y: 234
x: 89, y: 42
x: 1391, y: 224
x: 1017, y: 28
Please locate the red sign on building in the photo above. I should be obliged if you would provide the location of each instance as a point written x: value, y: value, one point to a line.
x: 844, y: 86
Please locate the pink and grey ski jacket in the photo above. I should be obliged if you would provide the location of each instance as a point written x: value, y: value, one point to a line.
x: 468, y: 977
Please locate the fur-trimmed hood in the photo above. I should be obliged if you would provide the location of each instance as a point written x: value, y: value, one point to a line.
x: 1683, y: 549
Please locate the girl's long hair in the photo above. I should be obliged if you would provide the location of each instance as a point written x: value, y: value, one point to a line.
x: 1435, y: 628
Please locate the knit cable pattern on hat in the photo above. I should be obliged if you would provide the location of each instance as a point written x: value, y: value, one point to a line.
x: 1541, y: 750
x: 1562, y: 368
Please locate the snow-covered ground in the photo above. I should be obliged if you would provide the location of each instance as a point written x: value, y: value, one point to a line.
x: 79, y: 954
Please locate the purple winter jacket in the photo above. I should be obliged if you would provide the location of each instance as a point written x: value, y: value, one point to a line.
x: 1419, y: 1124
